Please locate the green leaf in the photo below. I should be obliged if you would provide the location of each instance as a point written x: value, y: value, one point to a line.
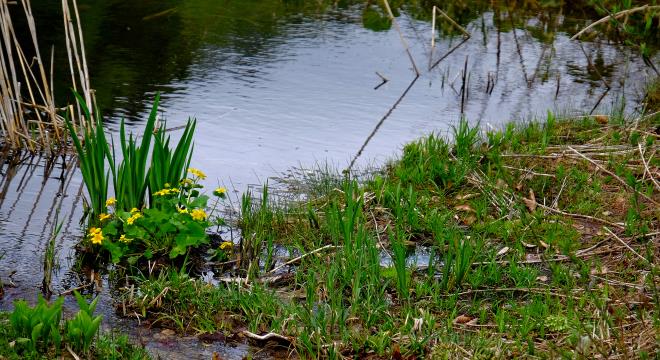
x: 36, y: 333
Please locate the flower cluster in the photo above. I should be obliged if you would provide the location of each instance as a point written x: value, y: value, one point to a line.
x: 175, y: 220
x: 198, y: 214
x: 96, y: 235
x: 166, y: 191
x: 198, y: 173
x: 133, y: 217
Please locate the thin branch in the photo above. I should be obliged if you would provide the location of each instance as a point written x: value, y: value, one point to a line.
x: 70, y: 291
x: 646, y: 166
x: 581, y: 216
x: 613, y: 175
x: 266, y: 337
x: 403, y: 40
x: 626, y: 245
x: 614, y: 16
x: 293, y: 261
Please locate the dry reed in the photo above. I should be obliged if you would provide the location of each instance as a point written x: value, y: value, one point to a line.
x: 29, y: 117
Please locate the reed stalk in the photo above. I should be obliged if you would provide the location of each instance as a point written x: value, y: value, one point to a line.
x: 29, y: 117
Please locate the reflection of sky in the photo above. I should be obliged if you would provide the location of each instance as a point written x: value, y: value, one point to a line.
x: 30, y: 206
x: 309, y: 96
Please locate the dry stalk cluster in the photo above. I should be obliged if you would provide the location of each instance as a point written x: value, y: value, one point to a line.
x: 29, y: 116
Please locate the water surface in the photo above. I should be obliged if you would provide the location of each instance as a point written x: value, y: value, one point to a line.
x: 277, y: 84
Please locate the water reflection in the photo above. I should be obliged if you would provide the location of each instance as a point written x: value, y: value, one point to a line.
x: 276, y: 84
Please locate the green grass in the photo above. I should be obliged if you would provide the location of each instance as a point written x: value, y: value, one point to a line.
x: 106, y: 346
x: 652, y: 98
x: 516, y: 225
x: 143, y: 169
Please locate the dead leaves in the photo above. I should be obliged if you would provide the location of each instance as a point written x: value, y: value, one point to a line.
x: 503, y: 251
x: 469, y: 218
x: 530, y: 202
x: 462, y: 319
x: 464, y: 208
x: 602, y: 119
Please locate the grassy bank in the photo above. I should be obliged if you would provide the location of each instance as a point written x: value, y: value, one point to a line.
x: 537, y: 240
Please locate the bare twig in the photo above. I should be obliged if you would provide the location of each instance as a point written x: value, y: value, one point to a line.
x: 70, y: 291
x: 75, y: 356
x: 266, y: 337
x: 156, y: 299
x: 646, y: 167
x: 295, y: 260
x: 528, y: 171
x: 523, y: 290
x: 626, y: 245
x: 462, y: 29
x: 614, y: 16
x: 432, y: 37
x: 403, y: 40
x: 382, y: 246
x: 383, y: 79
x: 380, y: 123
x: 613, y: 175
x: 581, y: 216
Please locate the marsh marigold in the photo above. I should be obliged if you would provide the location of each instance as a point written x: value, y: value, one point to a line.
x: 197, y: 173
x: 96, y: 235
x: 198, y: 214
x: 133, y: 217
x: 167, y: 191
x: 110, y: 202
x: 220, y: 192
x: 104, y: 216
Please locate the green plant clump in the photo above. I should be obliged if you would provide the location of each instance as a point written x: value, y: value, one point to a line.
x: 39, y: 332
x: 156, y: 209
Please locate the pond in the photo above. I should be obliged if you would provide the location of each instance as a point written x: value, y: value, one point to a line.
x: 278, y: 84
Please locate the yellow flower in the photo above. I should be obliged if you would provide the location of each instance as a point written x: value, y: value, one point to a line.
x: 132, y: 219
x: 104, y: 216
x: 124, y: 239
x: 135, y: 210
x: 221, y: 191
x: 186, y: 181
x: 197, y: 173
x: 96, y: 235
x: 110, y: 202
x: 165, y: 192
x: 182, y: 210
x: 198, y: 214
x: 226, y: 245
